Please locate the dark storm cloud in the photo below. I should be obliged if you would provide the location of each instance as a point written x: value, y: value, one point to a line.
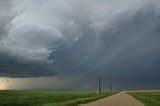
x: 126, y: 49
x: 116, y: 39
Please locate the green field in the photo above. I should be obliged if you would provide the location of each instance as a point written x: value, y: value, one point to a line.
x: 148, y: 98
x: 47, y: 98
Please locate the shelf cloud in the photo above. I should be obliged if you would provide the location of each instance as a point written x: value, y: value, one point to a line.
x: 118, y: 40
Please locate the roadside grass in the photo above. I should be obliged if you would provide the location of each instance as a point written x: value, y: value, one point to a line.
x: 148, y: 98
x: 75, y: 102
x: 48, y: 98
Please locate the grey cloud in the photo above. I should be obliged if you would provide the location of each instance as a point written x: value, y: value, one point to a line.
x: 116, y: 39
x: 128, y: 48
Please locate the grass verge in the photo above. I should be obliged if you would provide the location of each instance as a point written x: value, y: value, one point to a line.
x: 148, y: 98
x: 80, y: 101
x: 48, y: 98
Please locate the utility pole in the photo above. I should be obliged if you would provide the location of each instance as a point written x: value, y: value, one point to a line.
x: 99, y: 84
x: 110, y: 84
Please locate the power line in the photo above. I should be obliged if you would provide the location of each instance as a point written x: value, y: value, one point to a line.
x: 14, y: 42
x: 23, y: 35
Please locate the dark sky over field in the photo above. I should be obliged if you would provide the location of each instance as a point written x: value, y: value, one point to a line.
x: 72, y: 41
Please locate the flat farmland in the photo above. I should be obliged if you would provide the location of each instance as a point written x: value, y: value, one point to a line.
x: 48, y: 98
x: 149, y: 98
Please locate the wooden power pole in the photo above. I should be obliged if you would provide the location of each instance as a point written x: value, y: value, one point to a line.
x: 110, y: 84
x: 99, y: 84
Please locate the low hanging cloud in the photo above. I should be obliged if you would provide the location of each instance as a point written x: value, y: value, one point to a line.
x: 71, y: 37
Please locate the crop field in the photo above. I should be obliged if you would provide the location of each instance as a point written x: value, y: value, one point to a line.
x: 148, y: 98
x: 48, y: 98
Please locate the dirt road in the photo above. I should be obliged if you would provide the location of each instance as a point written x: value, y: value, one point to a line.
x: 120, y: 99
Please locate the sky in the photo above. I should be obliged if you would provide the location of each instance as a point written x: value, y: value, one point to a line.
x: 62, y: 42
